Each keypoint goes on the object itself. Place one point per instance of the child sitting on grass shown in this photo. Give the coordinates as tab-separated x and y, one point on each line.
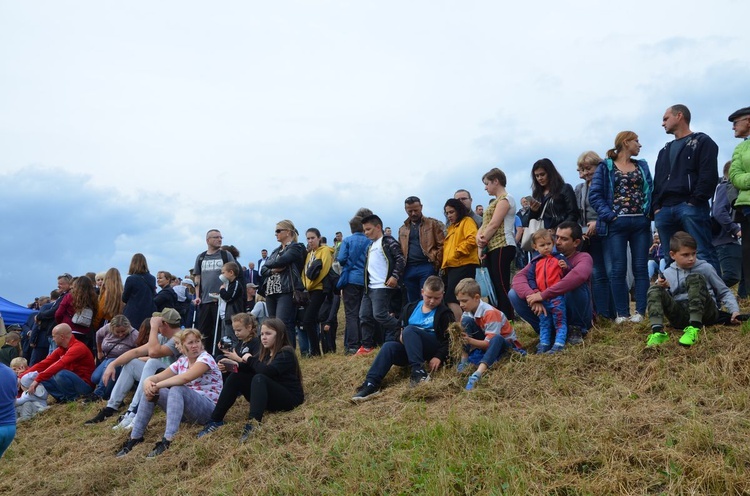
487	331
29	404
19	365
687	294
545	270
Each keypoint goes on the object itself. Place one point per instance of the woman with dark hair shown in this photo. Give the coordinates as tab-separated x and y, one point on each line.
314	277
139	291
621	194
460	254
496	237
166	298
553	200
78	308
282	275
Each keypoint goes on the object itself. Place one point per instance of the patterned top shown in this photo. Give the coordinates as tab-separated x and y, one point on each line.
504	234
209	384
493	322
628	192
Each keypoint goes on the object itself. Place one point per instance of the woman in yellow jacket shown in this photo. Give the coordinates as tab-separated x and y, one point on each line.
460	254
314	277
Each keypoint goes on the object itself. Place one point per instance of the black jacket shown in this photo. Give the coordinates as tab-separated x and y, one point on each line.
557	208
443	318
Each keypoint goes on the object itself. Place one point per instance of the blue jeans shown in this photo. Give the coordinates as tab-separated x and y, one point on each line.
373	311
604	304
636	232
730	259
696	221
101	390
417	344
414	277
7	433
498	344
577	308
66	386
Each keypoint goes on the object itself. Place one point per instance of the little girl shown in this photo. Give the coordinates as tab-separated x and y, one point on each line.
545	270
232	300
29	405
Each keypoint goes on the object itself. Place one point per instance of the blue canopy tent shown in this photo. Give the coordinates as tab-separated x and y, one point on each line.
12	313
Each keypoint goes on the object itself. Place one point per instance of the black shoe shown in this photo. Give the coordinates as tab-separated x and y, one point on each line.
103	415
159	448
366	391
91	398
247	431
574	335
418	377
128	446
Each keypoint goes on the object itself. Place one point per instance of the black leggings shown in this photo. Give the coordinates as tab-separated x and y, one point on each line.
310	321
498	263
264	394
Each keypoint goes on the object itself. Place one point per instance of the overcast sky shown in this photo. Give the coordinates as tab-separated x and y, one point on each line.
136	126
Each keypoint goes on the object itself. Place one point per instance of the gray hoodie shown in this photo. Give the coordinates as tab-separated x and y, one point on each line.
675	276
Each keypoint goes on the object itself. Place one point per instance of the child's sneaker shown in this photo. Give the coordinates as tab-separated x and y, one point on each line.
542	348
366	391
557	348
473	380
462	365
690	336
418	377
657	338
210	427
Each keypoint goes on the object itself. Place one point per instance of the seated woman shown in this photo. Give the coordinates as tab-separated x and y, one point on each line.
112	340
188	389
276	383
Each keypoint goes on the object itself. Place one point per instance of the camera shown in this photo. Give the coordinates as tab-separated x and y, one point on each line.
226	343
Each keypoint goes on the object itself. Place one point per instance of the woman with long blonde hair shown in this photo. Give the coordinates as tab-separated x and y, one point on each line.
110	298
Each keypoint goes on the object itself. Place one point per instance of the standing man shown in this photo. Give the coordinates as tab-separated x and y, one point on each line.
739	175
421	240
262	259
207	283
685	178
465	197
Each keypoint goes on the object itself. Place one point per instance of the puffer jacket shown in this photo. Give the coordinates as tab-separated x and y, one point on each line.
739	173
601	193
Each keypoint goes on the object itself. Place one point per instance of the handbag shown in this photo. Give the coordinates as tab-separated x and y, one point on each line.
300	297
482	276
534	226
84	317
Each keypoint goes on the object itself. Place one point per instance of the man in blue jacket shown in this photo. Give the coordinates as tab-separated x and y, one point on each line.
685	178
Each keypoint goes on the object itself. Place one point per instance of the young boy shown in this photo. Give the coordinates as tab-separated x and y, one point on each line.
424	339
687	293
545	270
383	269
232	297
487	331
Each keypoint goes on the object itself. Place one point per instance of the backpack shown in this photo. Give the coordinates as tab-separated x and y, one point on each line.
225	259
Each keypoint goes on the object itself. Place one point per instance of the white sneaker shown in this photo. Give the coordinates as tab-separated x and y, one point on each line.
126	423
620	320
636	317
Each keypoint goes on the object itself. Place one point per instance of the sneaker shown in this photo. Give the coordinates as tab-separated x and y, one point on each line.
126	422
473	379
351	351
636	318
575	336
690	336
462	365
516	345
91	398
247	431
556	348
657	338
418	377
366	391
209	428
542	348
128	446
103	415
363	350
620	320
159	448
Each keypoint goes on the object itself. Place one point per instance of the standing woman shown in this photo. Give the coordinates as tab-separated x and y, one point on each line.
551	195
460	254
496	239
166	298
621	194
602	291
139	291
282	276
317	265
78	308
188	389
110	298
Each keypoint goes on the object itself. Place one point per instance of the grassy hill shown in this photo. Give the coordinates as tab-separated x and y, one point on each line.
607	417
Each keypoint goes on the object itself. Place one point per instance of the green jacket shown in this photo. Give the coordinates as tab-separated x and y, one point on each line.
739	173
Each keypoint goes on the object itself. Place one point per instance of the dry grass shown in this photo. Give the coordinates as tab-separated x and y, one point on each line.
607	417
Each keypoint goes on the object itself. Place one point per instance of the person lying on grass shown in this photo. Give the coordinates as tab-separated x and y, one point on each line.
424	338
271	381
487	332
687	293
188	389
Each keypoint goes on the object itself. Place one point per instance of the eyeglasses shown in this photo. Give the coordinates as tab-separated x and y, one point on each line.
65	276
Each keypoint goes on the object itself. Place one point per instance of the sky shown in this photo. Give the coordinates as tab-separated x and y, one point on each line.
137	126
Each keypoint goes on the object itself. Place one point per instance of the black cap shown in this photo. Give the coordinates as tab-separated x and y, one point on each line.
739	113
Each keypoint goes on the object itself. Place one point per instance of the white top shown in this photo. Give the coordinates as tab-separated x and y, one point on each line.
377	265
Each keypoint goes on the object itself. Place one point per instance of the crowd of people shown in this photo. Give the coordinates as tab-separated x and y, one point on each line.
226	329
